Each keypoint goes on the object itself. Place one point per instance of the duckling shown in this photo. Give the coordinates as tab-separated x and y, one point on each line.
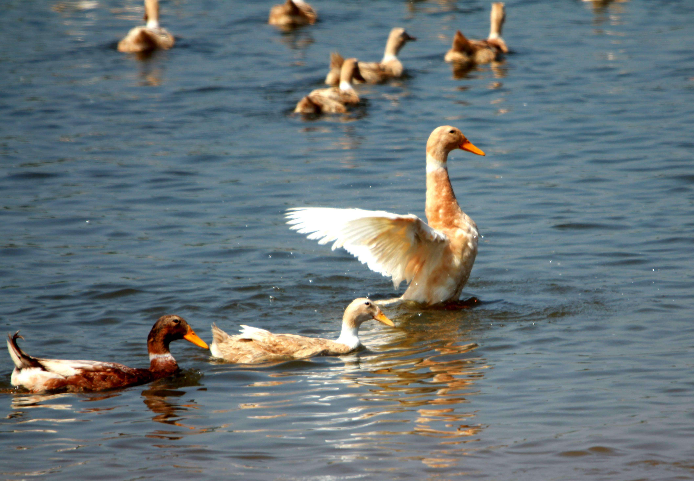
435	258
465	51
333	99
255	345
149	37
377	72
40	375
292	13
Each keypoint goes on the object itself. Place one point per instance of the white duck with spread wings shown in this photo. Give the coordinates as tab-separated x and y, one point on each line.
435	258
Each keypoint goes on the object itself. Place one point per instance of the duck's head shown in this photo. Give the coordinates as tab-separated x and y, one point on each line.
446	138
362	310
397	38
171	328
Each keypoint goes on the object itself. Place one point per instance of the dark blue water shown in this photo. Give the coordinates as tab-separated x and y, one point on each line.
133	188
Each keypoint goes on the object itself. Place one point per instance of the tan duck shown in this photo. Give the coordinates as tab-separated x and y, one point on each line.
436	259
465	51
376	72
255	345
40	375
292	13
333	99
149	37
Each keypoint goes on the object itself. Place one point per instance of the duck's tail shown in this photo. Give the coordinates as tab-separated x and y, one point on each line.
461	43
218	336
307	106
336	60
21	359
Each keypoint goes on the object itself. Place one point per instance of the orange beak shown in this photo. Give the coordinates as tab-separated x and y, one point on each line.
467	145
382	318
192	337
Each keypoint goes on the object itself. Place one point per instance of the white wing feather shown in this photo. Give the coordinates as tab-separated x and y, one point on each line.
390	244
254	333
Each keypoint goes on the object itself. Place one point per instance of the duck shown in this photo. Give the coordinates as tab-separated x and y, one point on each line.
292	13
256	345
58	375
149	37
466	51
376	72
333	99
434	257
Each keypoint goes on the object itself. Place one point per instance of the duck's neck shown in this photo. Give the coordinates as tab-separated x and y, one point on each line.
496	21
349	336
441	205
160	359
349	67
152	13
393	46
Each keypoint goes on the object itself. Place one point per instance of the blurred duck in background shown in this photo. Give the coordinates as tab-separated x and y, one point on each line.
376	72
291	14
468	52
149	37
333	99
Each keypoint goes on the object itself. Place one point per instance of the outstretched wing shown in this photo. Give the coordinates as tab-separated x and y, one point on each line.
393	245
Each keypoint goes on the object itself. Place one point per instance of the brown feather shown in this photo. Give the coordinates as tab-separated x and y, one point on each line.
40	375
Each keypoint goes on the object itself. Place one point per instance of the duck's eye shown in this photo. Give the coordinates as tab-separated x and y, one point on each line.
176	320
452	132
367	303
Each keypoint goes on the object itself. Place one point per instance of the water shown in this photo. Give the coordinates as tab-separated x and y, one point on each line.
131	189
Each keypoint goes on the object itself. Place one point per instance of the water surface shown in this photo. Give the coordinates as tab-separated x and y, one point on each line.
133	188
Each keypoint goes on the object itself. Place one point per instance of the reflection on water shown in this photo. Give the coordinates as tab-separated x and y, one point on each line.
462	71
150	72
297	40
164	398
21	402
417	380
607	11
163	403
71	7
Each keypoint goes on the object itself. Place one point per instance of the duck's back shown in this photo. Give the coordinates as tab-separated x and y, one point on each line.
143	39
57	375
255	345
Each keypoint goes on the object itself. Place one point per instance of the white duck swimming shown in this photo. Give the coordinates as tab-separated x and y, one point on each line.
255	345
148	37
436	259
